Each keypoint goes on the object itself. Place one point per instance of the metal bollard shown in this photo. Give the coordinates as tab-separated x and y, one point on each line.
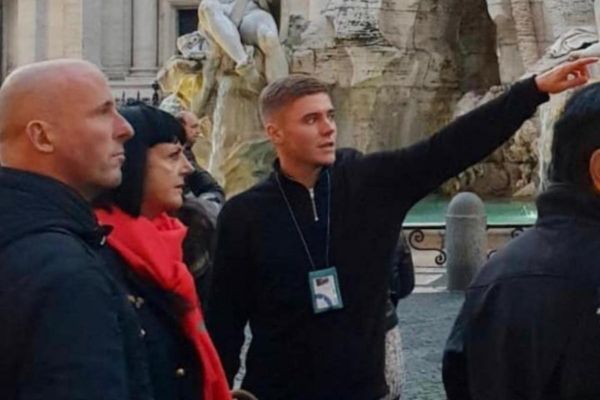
466	239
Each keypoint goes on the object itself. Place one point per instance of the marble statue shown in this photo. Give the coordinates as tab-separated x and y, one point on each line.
181	77
576	42
594	49
219	74
229	26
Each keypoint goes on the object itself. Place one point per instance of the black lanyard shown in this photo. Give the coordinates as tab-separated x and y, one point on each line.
295	220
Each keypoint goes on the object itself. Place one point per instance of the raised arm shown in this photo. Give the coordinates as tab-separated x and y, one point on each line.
415	171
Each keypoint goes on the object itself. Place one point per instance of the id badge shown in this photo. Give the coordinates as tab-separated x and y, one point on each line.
325	290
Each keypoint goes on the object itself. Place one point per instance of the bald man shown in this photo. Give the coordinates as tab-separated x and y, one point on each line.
66	329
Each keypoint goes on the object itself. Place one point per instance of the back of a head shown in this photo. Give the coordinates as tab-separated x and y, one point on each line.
284	91
152	126
576	137
184	115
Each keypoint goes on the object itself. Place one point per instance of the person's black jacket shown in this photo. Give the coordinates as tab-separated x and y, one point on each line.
530	325
67	331
402	279
170	358
200	181
198	245
261	268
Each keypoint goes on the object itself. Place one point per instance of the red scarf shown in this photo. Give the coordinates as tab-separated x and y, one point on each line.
153	249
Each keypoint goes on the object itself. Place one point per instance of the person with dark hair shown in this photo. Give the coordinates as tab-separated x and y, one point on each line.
203	199
304	256
529	326
198	243
144	254
63	334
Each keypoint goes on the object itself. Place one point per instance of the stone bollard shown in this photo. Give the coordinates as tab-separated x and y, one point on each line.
466	239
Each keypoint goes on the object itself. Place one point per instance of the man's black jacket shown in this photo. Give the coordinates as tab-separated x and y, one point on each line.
530	325
261	268
66	329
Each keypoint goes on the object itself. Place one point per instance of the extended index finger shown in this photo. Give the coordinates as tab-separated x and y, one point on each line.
580	63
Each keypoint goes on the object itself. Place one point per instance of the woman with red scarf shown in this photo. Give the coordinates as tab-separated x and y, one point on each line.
174	357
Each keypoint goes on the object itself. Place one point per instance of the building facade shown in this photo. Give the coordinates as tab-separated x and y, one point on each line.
128	39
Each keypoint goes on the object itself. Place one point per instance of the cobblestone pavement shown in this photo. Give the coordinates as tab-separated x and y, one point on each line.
425	321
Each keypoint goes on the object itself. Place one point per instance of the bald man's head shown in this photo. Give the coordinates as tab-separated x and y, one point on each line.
191	124
32	92
58	118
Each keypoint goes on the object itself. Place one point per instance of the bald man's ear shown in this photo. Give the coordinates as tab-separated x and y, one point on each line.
274	133
40	136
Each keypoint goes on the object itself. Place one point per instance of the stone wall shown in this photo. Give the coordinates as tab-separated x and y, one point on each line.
401	69
127	39
397	67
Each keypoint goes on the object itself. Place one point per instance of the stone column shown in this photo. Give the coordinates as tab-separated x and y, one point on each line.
24	44
65	29
145	38
116	38
91	19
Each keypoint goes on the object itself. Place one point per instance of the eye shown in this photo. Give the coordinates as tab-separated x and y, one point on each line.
311	119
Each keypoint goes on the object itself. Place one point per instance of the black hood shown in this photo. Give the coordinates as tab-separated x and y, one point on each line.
31	203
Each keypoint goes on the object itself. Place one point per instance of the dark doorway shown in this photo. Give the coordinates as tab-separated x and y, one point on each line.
187	21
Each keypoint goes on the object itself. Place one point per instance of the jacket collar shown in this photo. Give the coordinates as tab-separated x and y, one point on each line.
35	203
287	181
566	200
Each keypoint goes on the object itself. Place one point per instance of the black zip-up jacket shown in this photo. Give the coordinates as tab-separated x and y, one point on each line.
402	279
530	326
67	330
261	267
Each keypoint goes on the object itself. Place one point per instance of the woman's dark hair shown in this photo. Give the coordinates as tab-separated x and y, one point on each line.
151	126
198	243
576	137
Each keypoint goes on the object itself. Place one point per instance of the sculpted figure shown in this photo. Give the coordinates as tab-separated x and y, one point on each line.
227	27
249	22
182	75
593	50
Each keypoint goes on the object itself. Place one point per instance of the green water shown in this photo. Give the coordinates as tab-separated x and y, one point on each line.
432	211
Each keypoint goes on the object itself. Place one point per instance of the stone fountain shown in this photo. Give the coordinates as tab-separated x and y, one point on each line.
399	70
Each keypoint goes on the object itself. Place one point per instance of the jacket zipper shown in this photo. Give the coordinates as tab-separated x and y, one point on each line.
311	193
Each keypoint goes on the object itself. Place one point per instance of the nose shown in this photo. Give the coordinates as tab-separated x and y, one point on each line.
187	167
328	127
123	130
